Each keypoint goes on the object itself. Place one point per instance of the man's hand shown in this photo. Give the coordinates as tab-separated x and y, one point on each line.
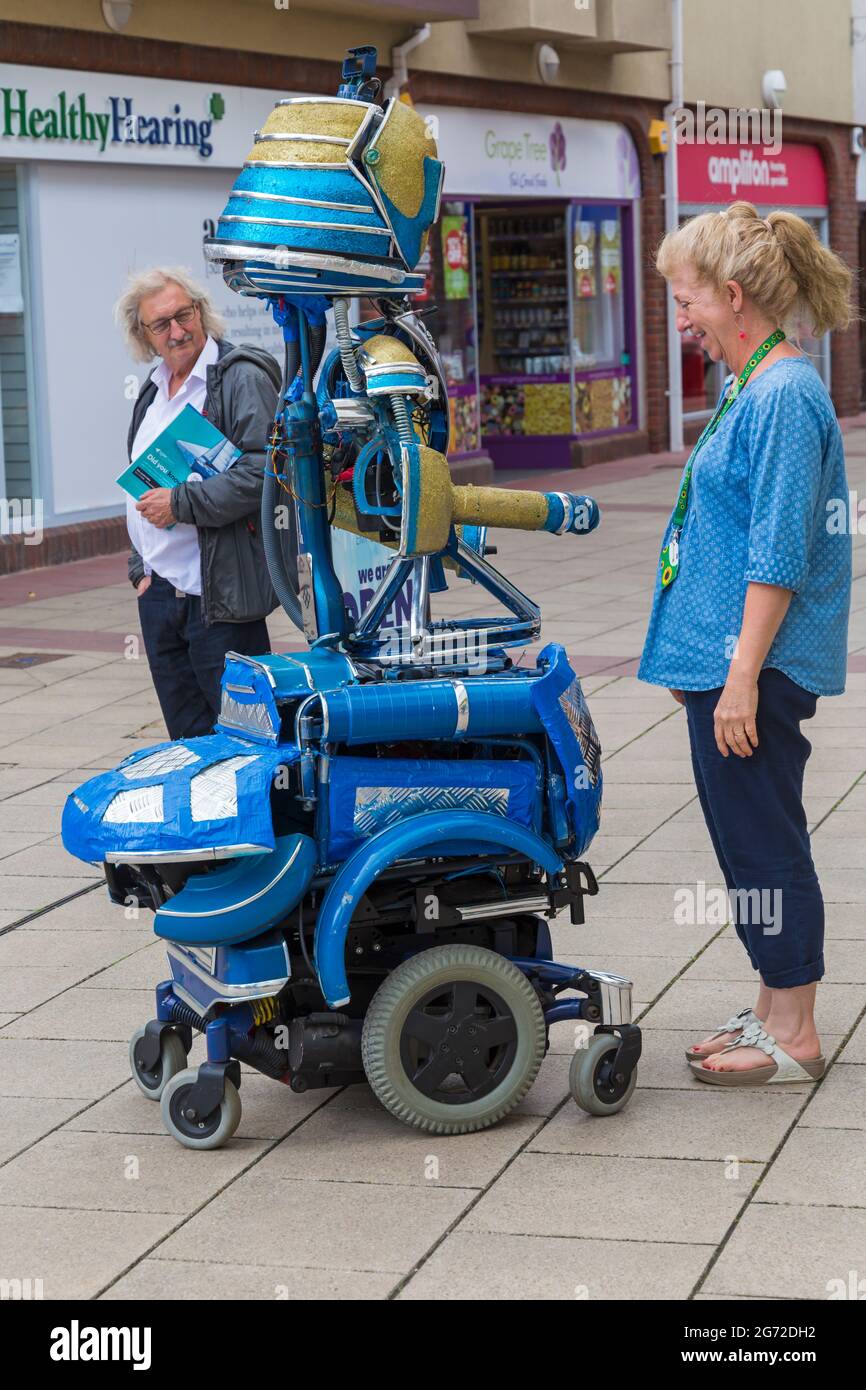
155	507
142	584
679	697
734	717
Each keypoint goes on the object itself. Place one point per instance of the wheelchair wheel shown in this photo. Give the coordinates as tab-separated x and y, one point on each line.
172	1059
592	1082
209	1132
453	1039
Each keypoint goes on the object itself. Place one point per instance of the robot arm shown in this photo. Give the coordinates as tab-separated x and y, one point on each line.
417	483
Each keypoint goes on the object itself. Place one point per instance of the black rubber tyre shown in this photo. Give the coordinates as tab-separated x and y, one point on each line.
453	1039
172	1059
211	1132
592	1086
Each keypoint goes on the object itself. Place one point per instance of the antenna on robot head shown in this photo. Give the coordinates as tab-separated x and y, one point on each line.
360	82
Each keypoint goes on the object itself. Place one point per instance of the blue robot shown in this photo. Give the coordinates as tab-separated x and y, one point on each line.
353	874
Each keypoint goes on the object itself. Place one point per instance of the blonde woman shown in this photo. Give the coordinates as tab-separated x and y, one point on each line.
750	612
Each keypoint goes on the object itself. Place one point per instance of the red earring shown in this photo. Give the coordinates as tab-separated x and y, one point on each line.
742	332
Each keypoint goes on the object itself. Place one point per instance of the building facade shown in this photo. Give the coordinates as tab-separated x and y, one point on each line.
117	148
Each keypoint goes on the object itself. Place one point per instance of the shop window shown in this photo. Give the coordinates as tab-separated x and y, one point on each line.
598	328
553	327
15	456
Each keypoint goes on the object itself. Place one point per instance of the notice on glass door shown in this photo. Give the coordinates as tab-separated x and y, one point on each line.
11	298
455	257
584	259
611	259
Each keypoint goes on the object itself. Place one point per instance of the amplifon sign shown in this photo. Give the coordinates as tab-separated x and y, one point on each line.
792	177
58	114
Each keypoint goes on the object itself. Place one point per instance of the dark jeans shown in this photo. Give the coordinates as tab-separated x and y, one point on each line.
754	813
186	657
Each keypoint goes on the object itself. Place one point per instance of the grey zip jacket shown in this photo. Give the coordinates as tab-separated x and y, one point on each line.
242	392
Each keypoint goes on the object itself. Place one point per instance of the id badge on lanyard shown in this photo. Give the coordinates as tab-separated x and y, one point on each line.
669	560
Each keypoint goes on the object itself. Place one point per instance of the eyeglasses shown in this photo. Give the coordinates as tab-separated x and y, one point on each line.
159	327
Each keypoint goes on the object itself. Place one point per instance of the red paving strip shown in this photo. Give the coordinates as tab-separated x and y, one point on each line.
48	638
53	639
43	639
57	581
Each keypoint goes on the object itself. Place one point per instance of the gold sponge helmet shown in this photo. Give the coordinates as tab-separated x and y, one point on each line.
336	196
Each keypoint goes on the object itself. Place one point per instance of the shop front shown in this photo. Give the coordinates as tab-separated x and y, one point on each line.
533	270
100	175
712	176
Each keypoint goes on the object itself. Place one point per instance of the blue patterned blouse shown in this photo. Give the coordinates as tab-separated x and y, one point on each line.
766	495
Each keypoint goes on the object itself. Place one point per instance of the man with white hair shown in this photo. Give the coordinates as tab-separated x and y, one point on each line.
197	560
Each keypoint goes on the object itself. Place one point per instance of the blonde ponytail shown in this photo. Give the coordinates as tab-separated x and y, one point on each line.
778	260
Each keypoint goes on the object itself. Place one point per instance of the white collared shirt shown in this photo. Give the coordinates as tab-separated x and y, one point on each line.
174	553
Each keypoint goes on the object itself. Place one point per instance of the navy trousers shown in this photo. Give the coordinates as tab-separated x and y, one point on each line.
754	812
186	657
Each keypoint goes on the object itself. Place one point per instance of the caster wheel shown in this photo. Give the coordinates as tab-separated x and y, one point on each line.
593	1086
453	1039
172	1059
208	1132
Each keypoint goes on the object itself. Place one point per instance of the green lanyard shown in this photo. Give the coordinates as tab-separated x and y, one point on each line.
670	556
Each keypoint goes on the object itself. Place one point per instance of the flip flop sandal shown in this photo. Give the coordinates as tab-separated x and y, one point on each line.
781	1067
733	1025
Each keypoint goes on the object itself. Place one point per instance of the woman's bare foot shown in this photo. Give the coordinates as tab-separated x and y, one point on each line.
803	1046
709	1046
762	1009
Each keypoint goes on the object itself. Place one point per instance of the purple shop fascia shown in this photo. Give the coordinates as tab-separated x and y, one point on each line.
540	324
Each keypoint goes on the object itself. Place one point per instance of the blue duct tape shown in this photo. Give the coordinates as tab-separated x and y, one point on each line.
562	708
163	776
366	795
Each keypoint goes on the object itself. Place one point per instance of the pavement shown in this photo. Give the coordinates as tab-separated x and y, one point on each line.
690	1192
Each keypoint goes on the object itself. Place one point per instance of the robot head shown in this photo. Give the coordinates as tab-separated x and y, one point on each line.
336	196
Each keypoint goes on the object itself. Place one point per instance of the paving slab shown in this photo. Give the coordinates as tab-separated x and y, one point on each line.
855	1046
326	1225
704	1004
354	1139
725	959
806	1252
160	1280
76	1253
839	1102
39	1068
649	974
123	1172
90	910
30	894
84	1013
47	861
270	1111
819	1167
518	1268
672	1200
24	1119
695	1122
